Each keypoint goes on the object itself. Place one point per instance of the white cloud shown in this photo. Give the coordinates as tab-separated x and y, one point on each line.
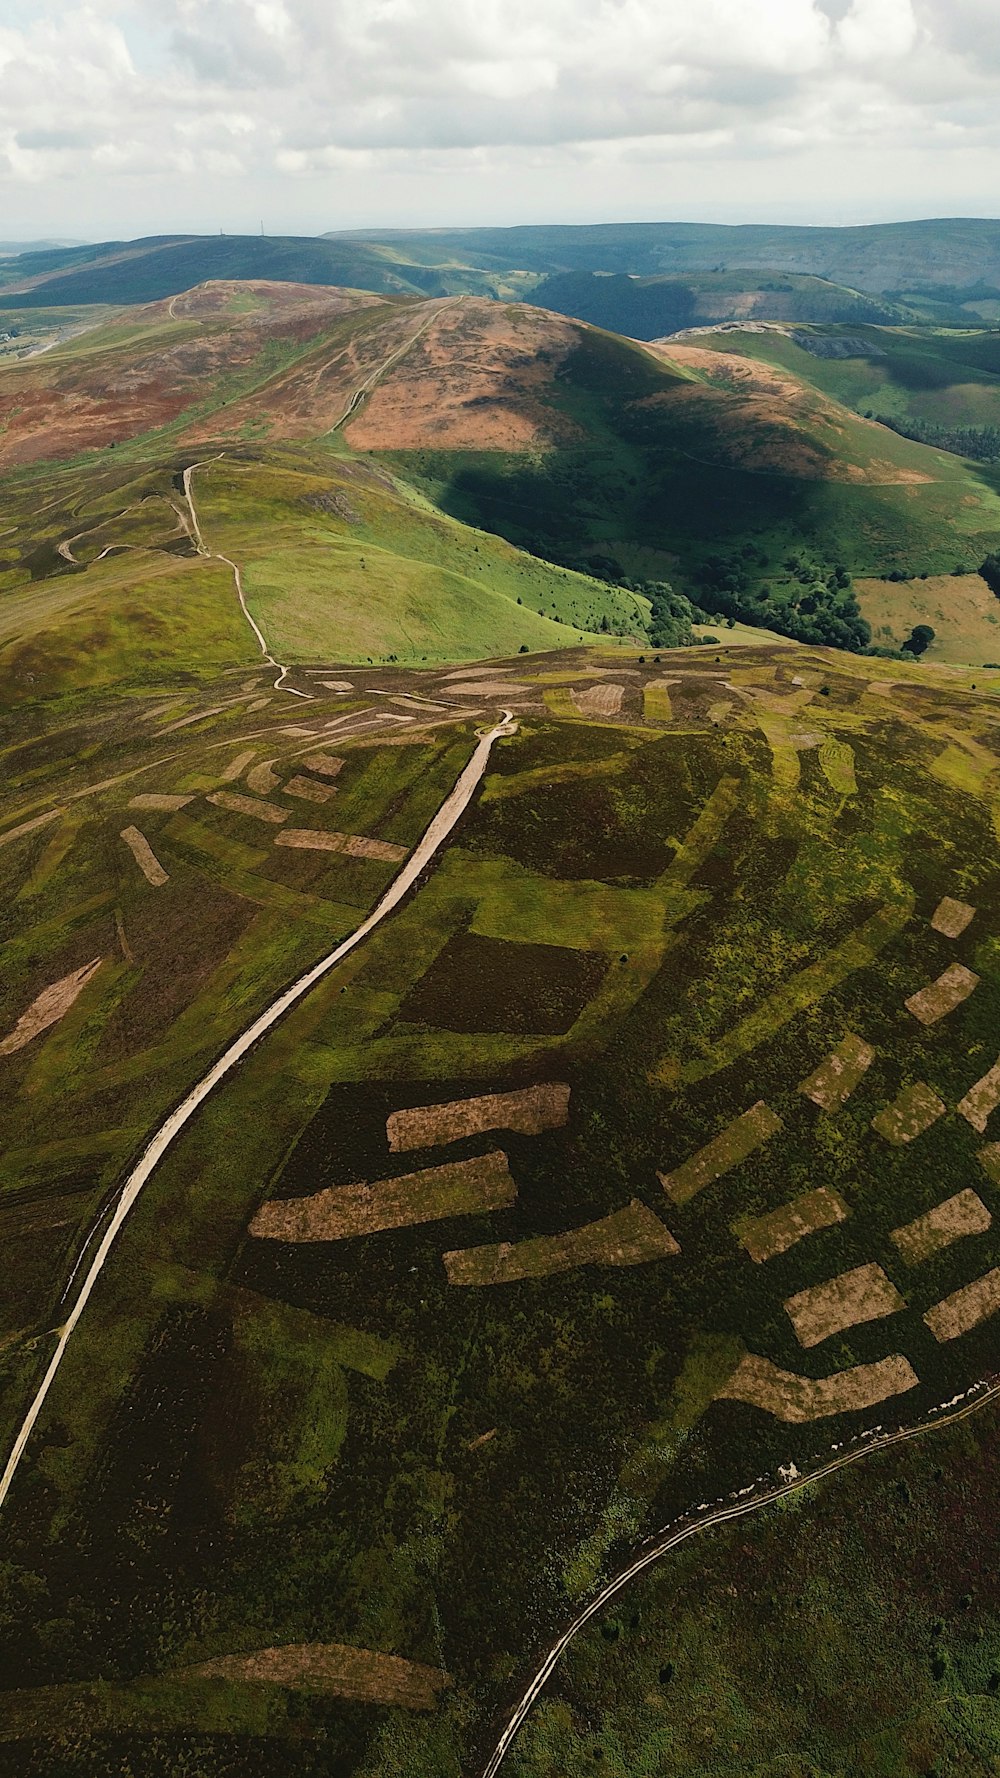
874	29
282	96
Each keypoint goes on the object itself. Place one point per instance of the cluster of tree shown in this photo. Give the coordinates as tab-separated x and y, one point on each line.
820	607
670	618
981	443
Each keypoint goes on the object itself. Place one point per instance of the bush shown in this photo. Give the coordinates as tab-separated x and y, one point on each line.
919	640
990	572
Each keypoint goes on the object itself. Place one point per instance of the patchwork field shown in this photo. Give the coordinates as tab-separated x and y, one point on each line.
645	1150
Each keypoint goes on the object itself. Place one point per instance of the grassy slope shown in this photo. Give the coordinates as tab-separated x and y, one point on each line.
660	480
948	377
960	609
392	578
399	1530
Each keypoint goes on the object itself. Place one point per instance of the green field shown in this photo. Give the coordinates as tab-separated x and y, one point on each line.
948	377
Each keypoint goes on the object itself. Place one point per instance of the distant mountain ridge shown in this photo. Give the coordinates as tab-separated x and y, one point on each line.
644	279
877	257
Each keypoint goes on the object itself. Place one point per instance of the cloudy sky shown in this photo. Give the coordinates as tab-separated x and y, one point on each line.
124	117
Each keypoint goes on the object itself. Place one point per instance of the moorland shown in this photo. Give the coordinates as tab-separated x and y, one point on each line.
638	1162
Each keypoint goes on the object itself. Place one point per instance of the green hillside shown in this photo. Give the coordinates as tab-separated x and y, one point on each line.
674	475
941	382
646	308
338	563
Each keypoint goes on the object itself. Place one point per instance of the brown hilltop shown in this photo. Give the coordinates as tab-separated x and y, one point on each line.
145	368
479	377
278	362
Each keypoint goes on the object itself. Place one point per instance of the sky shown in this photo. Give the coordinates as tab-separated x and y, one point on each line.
128	117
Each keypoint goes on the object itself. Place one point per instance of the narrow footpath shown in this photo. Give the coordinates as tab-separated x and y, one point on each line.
213	555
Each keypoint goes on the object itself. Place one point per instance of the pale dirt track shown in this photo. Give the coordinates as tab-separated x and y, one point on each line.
433	838
374	377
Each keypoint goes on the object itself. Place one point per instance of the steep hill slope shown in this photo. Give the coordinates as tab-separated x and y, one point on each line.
938	386
669	462
751	489
922	376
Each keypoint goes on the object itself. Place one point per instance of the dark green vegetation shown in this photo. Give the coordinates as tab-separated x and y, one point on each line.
853	1633
670	470
255	1444
687	269
648	308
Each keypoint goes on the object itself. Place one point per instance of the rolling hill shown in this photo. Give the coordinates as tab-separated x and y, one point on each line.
677	274
948	253
520	436
671	463
938	386
105	571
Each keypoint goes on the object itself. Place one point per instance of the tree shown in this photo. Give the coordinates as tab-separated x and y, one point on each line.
919	640
990	572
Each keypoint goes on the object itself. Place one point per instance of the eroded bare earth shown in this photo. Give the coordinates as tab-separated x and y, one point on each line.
458	1188
342	1672
837	1077
864	1294
628	1237
796	1399
478	378
965	1308
528	1111
725	1151
52	1004
964	1214
764	1237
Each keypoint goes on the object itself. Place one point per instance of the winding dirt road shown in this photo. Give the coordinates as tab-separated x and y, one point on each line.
669	1540
213	555
433	838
